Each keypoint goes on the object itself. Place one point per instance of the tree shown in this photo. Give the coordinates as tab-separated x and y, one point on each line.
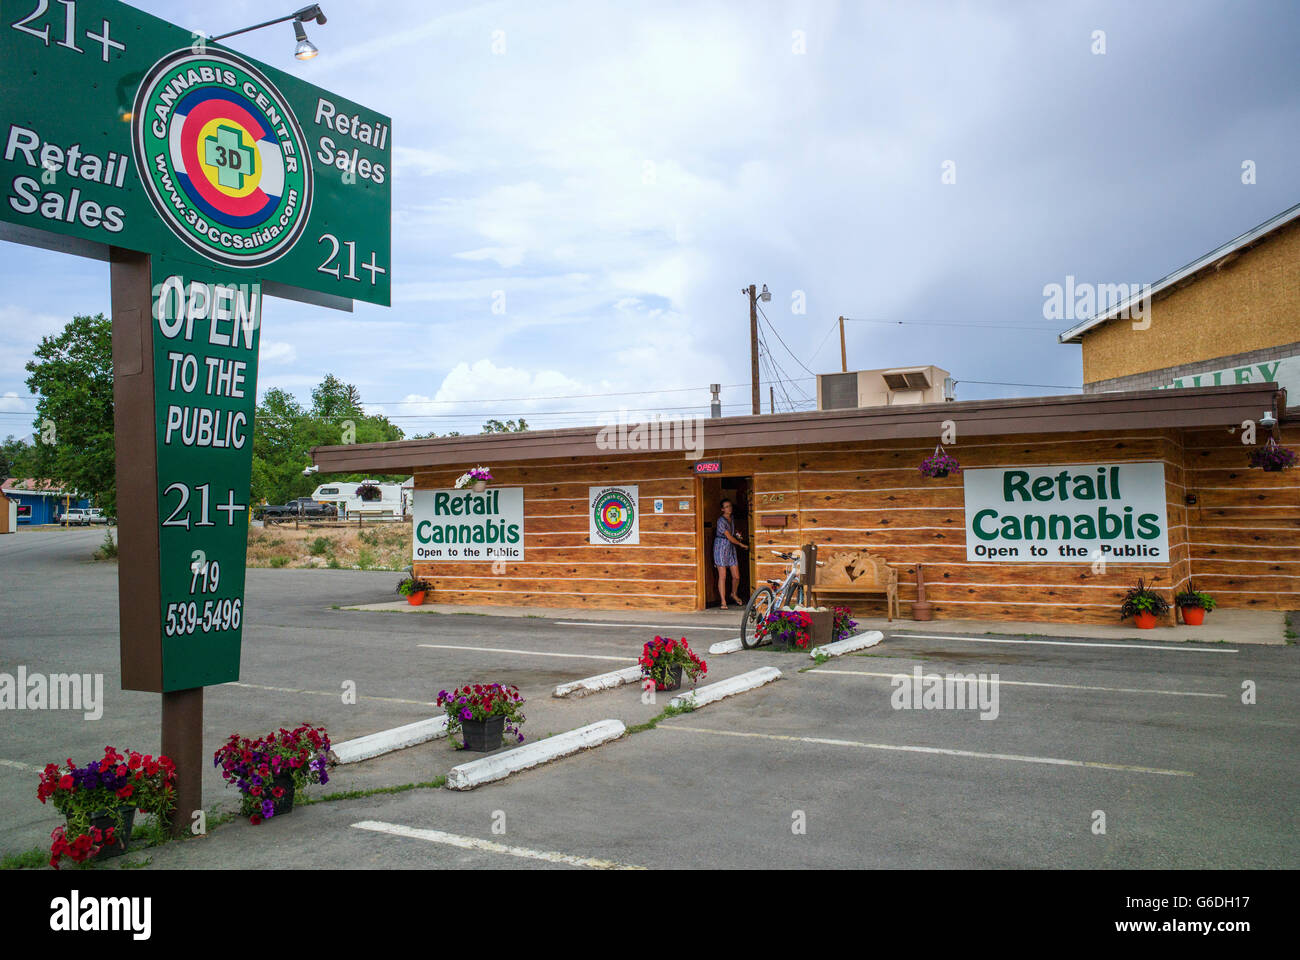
284	434
335	399
509	426
73	374
16	458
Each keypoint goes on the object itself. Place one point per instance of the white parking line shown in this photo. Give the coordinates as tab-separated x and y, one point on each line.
649	626
1030	683
1171	647
528	653
1052	761
18	765
489	846
326	693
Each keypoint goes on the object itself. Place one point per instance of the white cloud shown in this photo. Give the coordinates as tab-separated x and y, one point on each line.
277	352
10	402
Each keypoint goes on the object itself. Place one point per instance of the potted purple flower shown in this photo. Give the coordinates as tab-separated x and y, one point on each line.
939	464
1273	457
478	477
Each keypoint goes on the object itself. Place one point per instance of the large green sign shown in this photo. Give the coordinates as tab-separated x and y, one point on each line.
205	337
120	132
119	129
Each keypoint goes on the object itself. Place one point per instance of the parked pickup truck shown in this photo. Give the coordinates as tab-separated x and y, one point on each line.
304	507
78	516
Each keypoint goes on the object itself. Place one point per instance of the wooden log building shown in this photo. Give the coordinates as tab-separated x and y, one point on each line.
849	479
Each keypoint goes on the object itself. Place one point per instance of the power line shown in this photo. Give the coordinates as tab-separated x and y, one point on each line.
974	324
783	343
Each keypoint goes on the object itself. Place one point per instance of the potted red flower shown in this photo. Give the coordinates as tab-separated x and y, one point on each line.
270	770
99	802
484	713
786	629
663	660
844	623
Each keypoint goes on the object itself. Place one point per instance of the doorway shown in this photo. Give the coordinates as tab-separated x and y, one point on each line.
739	490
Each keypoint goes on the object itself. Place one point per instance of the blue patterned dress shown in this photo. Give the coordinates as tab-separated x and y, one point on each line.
724	551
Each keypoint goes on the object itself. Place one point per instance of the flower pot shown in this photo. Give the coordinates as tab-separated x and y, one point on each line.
417	598
674	679
121	836
483	735
1144	620
283	804
1193	616
1272	468
480	486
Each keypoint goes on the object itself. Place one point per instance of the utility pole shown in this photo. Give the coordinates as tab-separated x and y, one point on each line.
753	348
844	357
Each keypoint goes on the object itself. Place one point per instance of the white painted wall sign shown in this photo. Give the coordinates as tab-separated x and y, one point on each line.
464	525
1067	513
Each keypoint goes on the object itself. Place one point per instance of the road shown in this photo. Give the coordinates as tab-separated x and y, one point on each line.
817	769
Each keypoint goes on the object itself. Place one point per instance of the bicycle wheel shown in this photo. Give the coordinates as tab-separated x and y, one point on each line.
761	602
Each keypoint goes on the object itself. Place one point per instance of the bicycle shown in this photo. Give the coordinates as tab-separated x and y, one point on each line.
776	595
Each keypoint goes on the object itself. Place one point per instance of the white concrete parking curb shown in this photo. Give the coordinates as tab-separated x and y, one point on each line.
859	641
605	681
726	646
385	741
727	688
467	776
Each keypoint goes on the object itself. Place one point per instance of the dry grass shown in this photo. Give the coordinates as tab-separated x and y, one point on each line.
384	546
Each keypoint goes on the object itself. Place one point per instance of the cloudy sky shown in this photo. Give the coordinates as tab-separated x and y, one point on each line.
619	171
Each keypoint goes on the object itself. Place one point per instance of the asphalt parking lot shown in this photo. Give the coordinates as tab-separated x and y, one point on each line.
817	769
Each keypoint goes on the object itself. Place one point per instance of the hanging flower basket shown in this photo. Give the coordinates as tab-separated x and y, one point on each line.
939	464
369	492
476	477
1272	457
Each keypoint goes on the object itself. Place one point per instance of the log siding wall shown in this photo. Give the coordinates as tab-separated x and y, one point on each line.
1241	541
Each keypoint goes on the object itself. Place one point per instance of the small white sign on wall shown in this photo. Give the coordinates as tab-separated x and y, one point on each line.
659	506
614	515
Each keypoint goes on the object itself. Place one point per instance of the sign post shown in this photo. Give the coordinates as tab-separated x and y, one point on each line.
208	181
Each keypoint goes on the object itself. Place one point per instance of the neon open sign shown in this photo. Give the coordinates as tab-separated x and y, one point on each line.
708	466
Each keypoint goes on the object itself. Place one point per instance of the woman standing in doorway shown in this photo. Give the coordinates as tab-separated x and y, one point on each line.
725	543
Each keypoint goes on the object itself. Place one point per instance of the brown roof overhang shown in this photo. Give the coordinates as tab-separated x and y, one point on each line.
1132	410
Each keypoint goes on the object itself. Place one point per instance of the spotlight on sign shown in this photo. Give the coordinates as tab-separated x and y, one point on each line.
305	49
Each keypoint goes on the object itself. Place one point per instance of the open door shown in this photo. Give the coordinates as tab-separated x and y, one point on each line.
713	490
710	492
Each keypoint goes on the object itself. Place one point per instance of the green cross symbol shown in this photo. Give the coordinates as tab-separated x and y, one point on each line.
233	160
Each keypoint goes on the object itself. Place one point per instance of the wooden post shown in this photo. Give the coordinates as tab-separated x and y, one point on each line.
138	576
808	576
844	356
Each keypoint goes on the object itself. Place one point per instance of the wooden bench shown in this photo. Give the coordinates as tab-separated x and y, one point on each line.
857	572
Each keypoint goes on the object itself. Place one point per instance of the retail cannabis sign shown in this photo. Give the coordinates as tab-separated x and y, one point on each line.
120	129
1076	513
464	525
209	181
